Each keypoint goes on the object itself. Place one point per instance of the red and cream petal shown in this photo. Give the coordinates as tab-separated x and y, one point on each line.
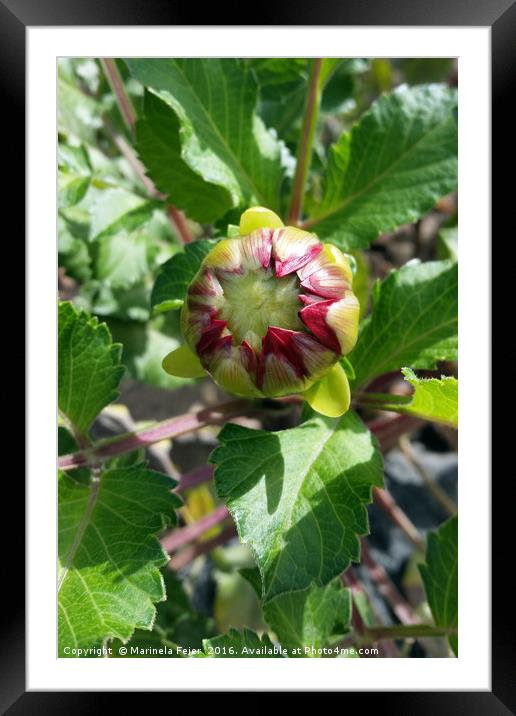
228	365
205	291
328	274
343	318
314	316
256	249
225	255
292	249
280	367
316	358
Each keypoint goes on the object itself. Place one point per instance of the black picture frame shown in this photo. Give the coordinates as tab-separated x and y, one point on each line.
500	16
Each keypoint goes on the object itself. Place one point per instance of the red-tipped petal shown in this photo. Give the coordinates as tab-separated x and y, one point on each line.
314	316
342	318
227	365
256	249
292	249
210	334
329	282
328	274
316	358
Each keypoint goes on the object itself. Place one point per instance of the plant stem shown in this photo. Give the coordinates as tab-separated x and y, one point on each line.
178	538
117	85
187	555
194	478
432	486
385	500
129	115
386	587
172	427
304	153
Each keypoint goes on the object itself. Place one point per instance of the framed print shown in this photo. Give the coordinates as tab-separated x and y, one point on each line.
272	247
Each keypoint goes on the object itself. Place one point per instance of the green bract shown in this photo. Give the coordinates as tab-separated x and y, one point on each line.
269	313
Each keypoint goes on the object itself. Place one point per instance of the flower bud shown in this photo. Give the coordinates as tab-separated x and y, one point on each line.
270	313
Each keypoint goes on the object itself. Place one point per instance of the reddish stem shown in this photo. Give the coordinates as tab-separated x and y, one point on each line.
160	431
194	478
124	101
179	220
384	500
306	142
187	555
386	587
180	537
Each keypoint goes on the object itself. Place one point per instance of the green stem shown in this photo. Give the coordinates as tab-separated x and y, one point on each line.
304	154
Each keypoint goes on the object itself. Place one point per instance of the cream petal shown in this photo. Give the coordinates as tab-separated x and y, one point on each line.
293	248
343	318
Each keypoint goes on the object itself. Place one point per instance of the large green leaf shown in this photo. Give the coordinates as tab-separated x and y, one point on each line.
109	557
434	399
391	167
211	132
413	322
305	620
440	577
177	630
175	274
298	497
89	369
241	644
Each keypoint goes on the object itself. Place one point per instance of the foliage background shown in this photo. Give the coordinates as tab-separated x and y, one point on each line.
122	259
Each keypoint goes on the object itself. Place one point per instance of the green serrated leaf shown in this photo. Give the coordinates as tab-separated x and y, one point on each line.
212	107
123	258
117	209
241	644
440	577
175	274
413	323
159	145
391	168
109	556
435	399
177	624
304	621
89	368
298	496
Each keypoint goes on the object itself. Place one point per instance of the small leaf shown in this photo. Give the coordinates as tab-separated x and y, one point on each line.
304	621
391	167
330	395
413	322
241	644
433	399
109	557
298	496
440	577
89	367
175	274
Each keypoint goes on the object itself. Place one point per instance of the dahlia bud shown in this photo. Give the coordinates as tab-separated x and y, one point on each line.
269	313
